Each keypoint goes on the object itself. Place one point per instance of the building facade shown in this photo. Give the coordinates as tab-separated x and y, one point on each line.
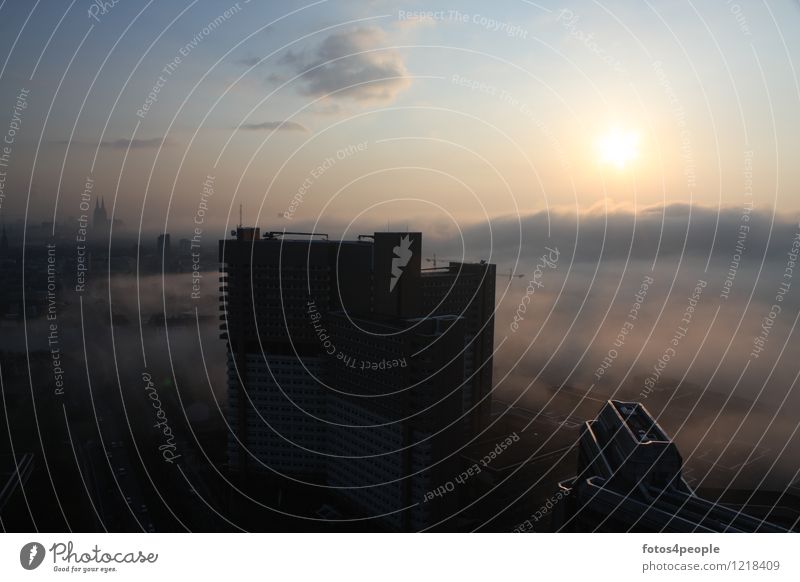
352	367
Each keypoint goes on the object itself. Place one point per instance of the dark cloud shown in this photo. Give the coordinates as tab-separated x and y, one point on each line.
293	58
276	125
649	234
352	64
590	236
121	144
249	61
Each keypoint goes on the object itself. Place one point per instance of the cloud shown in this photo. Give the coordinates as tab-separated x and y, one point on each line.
352	65
274	125
248	61
327	107
120	144
414	23
649	233
135	144
591	235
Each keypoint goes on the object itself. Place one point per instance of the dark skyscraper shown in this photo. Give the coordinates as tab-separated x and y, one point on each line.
351	366
275	358
469	290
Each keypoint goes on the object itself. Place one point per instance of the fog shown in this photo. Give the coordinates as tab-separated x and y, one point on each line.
659	306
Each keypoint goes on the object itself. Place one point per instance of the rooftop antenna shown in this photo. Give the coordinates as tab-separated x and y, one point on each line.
240	216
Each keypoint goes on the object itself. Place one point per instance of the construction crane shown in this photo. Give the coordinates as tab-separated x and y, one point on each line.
511	274
276	233
434	259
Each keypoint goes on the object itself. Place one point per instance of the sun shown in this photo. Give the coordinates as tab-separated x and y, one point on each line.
619	148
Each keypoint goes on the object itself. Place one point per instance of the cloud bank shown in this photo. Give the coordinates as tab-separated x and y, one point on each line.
354	64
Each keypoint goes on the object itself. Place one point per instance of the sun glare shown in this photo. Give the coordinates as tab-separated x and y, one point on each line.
619	148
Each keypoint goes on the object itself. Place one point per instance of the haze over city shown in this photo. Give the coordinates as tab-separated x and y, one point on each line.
399	266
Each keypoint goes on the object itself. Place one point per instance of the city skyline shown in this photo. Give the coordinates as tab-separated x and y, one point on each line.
397	266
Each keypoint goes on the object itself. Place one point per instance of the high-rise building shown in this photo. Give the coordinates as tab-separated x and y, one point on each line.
277	397
630	479
468	289
350	365
395	414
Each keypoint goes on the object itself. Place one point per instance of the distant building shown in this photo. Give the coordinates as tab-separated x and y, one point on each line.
163	247
101	226
630	479
351	366
3	244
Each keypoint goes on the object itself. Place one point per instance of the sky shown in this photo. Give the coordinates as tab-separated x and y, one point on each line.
354	115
